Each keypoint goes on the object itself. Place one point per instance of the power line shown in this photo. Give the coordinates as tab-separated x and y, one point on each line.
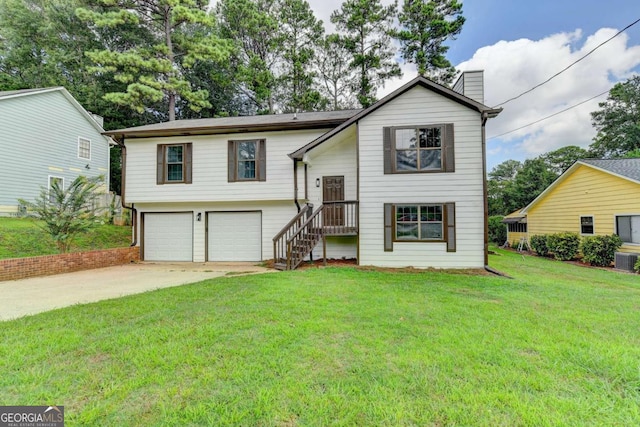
571	65
548	117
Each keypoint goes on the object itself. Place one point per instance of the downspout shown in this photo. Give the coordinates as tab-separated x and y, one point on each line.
485	116
295	184
484	191
123	175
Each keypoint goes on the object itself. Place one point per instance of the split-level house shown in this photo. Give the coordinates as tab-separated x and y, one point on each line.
400	183
51	139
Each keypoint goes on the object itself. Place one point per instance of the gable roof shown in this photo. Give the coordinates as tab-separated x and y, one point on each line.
10	94
418	81
628	169
312	120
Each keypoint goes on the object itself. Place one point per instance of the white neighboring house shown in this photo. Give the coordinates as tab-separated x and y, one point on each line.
50	138
400	183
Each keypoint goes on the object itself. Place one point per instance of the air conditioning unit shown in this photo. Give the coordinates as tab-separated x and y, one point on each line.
626	261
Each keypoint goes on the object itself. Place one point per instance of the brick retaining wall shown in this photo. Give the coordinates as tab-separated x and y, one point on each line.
20	268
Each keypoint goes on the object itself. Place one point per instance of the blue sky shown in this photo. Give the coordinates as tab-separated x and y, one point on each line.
520	44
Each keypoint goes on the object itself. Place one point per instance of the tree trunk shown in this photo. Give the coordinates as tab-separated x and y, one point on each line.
167	34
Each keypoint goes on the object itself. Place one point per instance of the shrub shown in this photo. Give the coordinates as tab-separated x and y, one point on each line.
538	243
637	266
497	230
564	246
600	250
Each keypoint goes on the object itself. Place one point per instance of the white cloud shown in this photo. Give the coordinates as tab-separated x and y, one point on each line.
511	67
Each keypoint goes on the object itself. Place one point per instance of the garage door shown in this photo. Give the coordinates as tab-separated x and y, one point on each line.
168	236
235	236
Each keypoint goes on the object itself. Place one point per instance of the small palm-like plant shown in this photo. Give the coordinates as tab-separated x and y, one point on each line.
65	213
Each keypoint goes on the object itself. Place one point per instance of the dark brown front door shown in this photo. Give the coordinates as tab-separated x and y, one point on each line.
333	191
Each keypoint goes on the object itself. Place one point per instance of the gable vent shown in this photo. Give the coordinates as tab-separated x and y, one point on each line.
626	261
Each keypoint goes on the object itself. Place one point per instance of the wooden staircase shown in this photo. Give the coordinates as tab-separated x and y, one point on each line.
298	238
303	233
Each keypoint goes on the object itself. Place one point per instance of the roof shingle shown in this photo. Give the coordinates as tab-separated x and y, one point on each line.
628	168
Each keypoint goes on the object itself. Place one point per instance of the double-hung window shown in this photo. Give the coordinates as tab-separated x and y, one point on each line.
56	184
84	148
247	160
586	225
418	149
420	222
174	164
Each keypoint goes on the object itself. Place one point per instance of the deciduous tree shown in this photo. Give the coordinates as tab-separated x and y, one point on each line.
618	121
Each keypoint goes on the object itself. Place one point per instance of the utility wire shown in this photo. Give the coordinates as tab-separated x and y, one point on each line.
571	65
548	117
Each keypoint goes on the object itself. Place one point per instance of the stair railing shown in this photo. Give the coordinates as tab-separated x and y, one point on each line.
302	242
280	240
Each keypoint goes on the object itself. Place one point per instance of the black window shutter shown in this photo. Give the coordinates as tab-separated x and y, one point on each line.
388	152
449	152
160	165
388	227
262	160
188	163
450	209
232	162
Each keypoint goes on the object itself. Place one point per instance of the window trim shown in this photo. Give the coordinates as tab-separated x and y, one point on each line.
162	164
260	160
593	225
80	140
448	225
49	185
447	152
617	231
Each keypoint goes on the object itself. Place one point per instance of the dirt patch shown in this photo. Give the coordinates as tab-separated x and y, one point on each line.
353	263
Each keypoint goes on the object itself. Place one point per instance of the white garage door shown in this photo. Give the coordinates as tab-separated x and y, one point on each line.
168	236
235	236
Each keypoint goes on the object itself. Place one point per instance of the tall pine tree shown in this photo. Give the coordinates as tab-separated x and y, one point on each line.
364	26
425	26
177	34
300	36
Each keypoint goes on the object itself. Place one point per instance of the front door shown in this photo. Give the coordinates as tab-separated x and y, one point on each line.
333	191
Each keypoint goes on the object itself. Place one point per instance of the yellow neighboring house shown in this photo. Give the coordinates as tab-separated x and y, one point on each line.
516	228
592	197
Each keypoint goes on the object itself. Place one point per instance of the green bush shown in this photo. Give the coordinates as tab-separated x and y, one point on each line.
563	246
600	250
497	230
637	266
538	243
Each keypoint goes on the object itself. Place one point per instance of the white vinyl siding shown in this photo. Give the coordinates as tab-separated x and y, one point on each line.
464	187
42	131
471	85
210	164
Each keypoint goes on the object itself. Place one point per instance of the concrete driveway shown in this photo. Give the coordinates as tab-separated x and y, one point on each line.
30	296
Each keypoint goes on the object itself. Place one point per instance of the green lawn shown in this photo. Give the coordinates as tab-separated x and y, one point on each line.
557	345
21	237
